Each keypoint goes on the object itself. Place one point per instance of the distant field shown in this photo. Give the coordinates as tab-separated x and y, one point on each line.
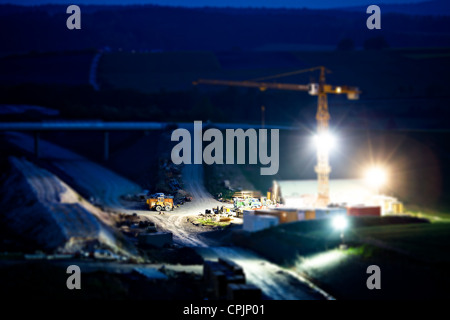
310	237
71	68
400	87
427	242
416	237
151	72
394	73
413	256
389	73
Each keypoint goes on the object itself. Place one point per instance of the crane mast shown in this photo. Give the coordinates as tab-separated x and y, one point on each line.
322	168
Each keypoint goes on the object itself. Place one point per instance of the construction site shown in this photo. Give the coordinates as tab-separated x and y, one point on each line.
247	169
290	201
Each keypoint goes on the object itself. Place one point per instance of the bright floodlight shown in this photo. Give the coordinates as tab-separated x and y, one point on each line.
376	177
324	141
340	223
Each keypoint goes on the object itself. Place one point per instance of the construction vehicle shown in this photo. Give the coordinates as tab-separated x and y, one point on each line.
247	203
266	201
160	204
320	89
238	202
254	203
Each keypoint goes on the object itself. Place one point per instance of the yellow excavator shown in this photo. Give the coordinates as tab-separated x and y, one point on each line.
160	204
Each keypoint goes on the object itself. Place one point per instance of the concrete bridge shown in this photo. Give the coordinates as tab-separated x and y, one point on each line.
37	127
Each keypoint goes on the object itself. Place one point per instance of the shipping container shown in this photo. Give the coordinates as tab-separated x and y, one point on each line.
265	212
361	211
310	215
284	216
295	214
300	215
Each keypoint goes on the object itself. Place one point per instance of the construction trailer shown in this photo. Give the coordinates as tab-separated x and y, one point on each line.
260	219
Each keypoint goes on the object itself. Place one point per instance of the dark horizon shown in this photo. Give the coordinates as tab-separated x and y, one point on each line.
289	4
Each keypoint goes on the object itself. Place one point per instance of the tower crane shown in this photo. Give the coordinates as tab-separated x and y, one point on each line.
321	90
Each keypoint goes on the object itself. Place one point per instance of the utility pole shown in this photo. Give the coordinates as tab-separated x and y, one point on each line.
322	168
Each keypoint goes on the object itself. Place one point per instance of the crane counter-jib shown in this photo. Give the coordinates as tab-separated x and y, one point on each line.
254	84
312	88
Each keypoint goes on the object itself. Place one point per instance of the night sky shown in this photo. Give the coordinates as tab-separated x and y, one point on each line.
221	3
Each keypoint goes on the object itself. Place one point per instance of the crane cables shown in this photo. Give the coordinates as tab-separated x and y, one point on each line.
287	74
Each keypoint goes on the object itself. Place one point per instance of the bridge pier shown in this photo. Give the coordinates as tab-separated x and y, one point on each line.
36	144
105	145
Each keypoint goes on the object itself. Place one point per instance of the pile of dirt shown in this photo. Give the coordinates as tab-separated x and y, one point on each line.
47	214
95	182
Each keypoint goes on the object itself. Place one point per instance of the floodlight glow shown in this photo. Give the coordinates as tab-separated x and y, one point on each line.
376	177
325	141
324	259
340	223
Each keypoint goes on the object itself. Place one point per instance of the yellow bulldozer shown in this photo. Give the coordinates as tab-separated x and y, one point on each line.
160	204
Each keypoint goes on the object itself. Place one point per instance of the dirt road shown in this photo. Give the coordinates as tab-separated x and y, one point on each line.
175	221
276	283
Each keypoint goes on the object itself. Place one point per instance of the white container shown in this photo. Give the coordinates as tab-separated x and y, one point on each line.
330	212
249	218
264	222
254	222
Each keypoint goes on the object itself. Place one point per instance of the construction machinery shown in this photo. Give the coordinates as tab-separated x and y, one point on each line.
320	89
266	201
160	204
251	203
